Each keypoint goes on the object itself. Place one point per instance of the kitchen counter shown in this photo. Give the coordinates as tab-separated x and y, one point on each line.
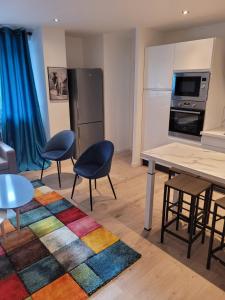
214	139
217	133
196	160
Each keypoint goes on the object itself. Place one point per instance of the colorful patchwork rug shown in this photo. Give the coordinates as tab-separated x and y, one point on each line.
60	253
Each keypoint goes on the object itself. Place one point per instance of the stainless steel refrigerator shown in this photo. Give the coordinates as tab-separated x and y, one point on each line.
86	106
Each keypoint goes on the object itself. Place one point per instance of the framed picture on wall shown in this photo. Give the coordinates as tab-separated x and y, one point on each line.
58	84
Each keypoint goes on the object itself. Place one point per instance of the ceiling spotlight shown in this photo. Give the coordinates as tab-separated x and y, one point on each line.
185	12
56	20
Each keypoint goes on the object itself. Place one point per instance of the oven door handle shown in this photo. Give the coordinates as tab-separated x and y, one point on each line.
186	111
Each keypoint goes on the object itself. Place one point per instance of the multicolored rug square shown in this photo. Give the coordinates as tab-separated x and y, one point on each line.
60	252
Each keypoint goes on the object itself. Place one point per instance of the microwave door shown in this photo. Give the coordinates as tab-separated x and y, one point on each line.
190	86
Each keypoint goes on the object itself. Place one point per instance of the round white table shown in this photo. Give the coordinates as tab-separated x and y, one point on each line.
15	192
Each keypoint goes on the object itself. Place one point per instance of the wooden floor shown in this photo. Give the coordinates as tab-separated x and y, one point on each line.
163	272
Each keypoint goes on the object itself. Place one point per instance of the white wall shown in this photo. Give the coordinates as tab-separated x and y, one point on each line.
37	59
93	51
54	50
74	52
118	88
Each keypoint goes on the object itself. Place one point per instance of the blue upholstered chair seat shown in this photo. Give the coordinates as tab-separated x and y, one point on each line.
87	170
53	155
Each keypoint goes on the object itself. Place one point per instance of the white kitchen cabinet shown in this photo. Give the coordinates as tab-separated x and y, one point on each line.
193	55
156	110
159	67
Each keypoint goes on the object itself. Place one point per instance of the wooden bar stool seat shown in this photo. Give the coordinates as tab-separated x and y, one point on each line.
185	184
188	184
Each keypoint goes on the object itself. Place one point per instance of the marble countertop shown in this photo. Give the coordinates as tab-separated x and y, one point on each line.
217	133
196	160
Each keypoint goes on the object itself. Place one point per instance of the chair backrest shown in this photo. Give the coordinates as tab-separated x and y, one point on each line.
62	141
100	153
103	152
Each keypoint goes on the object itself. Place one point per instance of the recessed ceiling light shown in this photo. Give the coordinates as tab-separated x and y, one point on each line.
185	12
56	20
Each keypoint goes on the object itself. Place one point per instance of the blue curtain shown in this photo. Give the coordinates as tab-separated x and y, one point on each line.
22	126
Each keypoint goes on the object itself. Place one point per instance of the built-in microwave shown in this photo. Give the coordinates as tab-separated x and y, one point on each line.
190	86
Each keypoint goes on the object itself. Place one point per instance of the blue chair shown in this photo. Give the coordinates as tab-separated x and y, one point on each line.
95	163
60	147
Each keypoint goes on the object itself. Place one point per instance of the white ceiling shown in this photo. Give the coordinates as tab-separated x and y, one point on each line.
110	15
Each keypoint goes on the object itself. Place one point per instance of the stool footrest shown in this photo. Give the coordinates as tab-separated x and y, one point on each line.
219	248
219	259
181	237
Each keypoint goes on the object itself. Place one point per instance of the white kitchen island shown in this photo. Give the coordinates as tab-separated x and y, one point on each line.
197	161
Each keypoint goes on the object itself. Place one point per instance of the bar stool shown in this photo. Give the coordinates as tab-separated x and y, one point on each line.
174	172
220	203
197	215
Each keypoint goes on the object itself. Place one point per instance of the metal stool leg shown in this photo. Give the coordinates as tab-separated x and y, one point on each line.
211	238
196	215
179	209
95	184
191	220
207	204
165	206
223	236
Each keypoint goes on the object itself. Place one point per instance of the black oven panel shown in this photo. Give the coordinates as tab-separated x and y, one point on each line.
186	121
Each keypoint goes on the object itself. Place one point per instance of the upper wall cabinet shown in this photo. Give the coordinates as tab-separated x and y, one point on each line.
193	55
159	67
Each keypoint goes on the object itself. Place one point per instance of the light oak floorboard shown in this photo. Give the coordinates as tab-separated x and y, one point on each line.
163	272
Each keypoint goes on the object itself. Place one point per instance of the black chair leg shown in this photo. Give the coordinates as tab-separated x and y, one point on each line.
42	170
72	161
111	186
95	184
58	169
74	184
90	194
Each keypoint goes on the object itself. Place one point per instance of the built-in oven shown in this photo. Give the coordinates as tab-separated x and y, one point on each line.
186	119
190	86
